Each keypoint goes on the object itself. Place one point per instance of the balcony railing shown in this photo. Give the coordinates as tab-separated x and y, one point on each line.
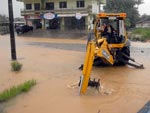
57	11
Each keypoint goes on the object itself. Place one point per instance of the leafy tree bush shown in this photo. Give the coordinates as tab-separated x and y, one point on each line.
16	66
128	6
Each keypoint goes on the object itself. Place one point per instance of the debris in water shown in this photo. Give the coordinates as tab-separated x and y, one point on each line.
73	85
99	111
106	91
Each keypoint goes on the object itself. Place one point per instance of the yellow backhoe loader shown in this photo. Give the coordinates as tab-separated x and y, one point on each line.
110	46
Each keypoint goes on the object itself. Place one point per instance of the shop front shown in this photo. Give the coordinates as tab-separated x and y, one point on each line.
51	21
34	20
57	21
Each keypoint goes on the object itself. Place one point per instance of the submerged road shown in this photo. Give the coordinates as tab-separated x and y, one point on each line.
54	64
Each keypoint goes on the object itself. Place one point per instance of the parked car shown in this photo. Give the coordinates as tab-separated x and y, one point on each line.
38	26
23	29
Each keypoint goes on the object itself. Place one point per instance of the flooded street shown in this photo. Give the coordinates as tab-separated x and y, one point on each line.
54	63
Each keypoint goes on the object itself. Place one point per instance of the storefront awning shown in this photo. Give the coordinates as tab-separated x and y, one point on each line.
70	15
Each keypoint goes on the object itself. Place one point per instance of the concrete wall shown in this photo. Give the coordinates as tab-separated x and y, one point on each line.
95	6
71	4
143	25
4	29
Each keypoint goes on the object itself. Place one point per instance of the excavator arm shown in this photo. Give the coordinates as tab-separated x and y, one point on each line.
88	63
91	52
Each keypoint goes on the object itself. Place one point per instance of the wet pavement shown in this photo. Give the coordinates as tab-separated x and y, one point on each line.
63	46
73	34
54	63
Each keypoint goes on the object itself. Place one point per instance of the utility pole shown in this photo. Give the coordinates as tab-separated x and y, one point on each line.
99	4
11	29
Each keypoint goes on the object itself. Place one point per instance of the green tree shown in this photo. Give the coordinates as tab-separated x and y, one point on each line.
138	2
127	6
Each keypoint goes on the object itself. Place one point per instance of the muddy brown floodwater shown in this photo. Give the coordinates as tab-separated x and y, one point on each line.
54	64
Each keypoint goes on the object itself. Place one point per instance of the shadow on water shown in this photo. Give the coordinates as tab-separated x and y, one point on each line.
64	46
70	34
2	106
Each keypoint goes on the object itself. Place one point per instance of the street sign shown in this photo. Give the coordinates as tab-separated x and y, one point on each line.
78	16
49	16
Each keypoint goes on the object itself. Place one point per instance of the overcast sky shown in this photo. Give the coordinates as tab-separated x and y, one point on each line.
143	9
16	6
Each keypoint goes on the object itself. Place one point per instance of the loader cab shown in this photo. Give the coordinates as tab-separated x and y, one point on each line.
111	27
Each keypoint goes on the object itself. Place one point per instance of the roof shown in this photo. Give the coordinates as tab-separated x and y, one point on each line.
143	21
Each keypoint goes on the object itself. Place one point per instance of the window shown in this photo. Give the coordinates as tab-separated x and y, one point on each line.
37	6
62	4
80	3
29	6
50	6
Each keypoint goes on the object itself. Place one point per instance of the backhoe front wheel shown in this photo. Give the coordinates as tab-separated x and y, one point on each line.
122	60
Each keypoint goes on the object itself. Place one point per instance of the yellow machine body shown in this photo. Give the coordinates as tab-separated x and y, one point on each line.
99	47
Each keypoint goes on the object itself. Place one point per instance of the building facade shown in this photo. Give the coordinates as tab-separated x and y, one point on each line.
143	24
60	14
